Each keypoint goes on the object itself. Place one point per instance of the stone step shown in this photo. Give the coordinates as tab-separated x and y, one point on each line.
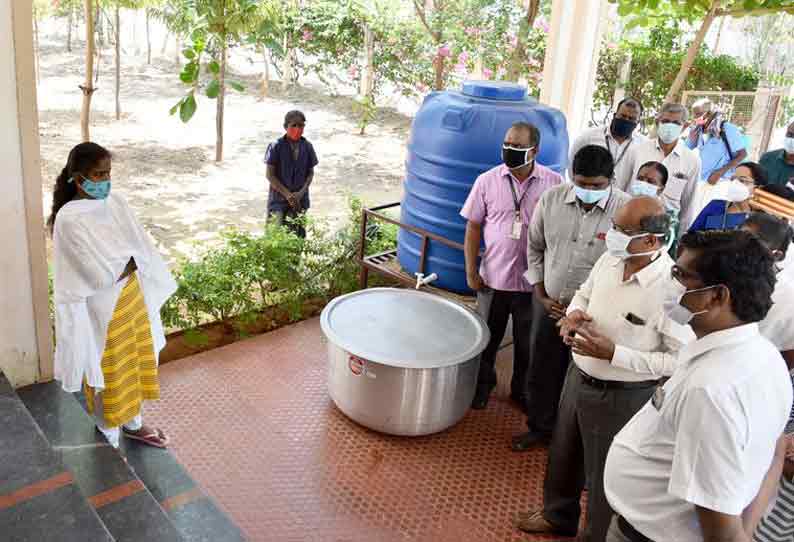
149	497
39	496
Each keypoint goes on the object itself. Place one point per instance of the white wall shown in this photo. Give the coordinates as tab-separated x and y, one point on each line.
20	333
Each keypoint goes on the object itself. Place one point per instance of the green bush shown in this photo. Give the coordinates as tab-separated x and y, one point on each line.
250	272
655	62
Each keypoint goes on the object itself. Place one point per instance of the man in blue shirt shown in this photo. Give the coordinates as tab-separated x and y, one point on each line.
719	142
290	170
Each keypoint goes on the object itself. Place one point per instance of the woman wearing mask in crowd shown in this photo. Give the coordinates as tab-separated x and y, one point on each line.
110	283
651	181
731	206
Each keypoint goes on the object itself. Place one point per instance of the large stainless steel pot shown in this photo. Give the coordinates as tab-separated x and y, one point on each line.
402	362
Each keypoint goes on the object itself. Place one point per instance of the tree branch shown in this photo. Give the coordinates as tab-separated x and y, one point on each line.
738	12
420	12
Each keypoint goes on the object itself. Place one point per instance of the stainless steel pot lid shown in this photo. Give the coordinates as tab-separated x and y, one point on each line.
404	328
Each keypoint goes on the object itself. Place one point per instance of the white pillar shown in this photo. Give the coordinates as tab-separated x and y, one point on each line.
571	60
25	333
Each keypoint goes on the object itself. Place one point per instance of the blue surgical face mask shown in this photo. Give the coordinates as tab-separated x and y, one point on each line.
642	188
668	132
96	189
588	196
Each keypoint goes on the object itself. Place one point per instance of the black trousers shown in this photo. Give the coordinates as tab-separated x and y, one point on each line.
589	418
549	359
286	218
497	306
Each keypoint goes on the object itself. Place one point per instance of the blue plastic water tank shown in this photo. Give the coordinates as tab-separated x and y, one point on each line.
455	137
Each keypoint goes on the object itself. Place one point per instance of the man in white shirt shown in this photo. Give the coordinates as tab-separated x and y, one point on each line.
778	522
620	139
682	163
622	345
690	462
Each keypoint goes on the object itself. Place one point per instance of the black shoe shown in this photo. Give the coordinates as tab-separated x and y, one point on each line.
480	400
520	403
529	440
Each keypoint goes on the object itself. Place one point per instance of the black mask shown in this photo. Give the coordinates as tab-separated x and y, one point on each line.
622	127
515	158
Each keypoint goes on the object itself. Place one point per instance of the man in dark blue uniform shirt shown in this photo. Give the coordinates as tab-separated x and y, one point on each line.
290	170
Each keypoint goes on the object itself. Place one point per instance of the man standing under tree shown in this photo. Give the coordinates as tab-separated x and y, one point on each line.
290	170
719	142
620	139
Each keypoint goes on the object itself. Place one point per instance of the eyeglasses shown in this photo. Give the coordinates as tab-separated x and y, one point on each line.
749	181
625	231
680	274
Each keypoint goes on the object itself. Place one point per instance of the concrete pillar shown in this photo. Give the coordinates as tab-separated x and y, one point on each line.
572	51
25	332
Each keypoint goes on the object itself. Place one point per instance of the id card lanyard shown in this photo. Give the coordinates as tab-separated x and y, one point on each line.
622	154
515	230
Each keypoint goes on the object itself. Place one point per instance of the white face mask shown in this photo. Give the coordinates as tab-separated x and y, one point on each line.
642	188
668	132
673	295
735	191
618	244
788	145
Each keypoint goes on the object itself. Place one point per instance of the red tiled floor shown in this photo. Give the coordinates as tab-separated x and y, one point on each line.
253	423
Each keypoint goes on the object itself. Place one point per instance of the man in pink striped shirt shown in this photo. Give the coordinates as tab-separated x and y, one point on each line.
498	211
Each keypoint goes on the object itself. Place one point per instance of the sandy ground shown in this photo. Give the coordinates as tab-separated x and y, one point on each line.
166	169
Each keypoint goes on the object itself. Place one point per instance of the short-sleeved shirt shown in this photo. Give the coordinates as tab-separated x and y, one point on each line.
713	152
778	325
777	170
679	193
622	153
706	439
491	204
566	241
646	349
291	172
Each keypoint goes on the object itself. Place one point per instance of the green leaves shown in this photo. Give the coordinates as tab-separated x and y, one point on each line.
236	86
187	108
213	89
248	272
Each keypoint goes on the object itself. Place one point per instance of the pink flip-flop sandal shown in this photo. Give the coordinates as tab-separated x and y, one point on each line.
154	438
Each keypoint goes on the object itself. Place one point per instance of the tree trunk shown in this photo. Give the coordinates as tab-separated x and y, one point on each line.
624	74
286	68
519	55
368	77
691	54
178	54
98	26
118	63
265	72
221	98
69	22
165	43
148	39
719	35
36	58
87	86
439	78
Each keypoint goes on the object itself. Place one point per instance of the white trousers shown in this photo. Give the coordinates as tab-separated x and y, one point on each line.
113	434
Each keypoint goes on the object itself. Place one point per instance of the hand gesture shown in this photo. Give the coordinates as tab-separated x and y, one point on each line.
571	323
589	342
475	282
553	307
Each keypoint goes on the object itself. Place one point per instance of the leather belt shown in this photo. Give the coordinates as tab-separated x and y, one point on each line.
616	384
630	532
